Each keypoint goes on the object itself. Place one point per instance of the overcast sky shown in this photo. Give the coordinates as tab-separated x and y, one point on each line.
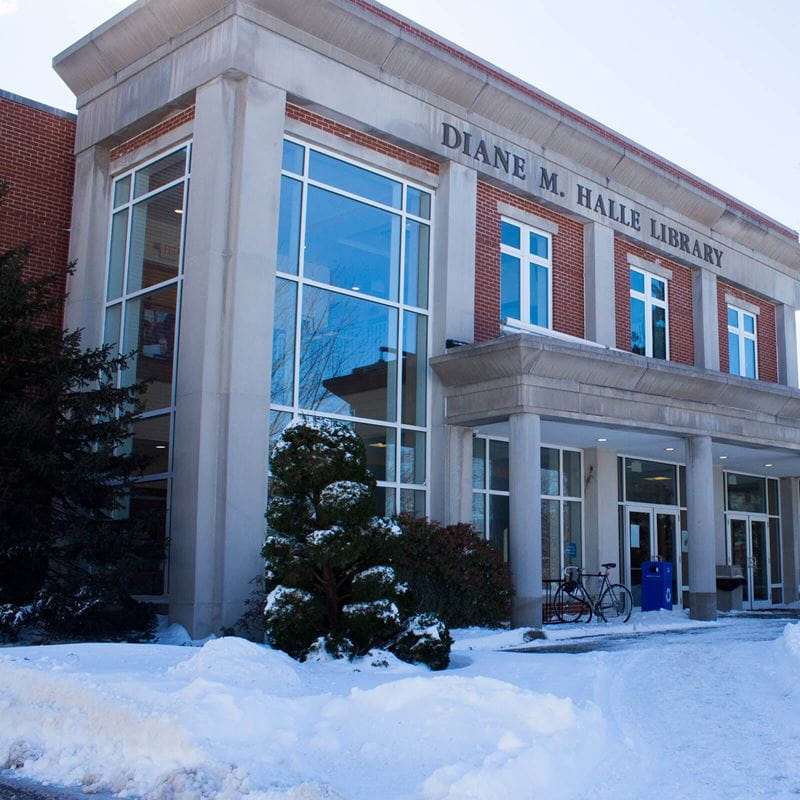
709	84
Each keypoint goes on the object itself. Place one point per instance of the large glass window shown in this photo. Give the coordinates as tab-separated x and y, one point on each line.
350	336
650	482
525	274
143	297
649	315
490	491
742	343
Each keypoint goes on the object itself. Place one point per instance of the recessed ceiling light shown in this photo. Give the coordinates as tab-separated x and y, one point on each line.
769	465
179	211
670	449
355	288
602	439
722	458
161	447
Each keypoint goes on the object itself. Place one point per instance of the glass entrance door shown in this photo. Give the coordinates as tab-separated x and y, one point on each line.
651	534
748	548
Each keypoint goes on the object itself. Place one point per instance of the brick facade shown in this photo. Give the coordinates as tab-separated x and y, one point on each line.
36	158
568	277
679	301
765	332
151	134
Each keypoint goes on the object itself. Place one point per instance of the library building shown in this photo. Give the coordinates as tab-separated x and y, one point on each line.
535	324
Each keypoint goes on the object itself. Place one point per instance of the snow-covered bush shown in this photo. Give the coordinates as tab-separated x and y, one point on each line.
329	573
453	573
425	639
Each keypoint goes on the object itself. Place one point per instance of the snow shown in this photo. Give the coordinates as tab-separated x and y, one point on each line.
662	707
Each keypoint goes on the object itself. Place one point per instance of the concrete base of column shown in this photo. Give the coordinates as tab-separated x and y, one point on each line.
703	605
526	612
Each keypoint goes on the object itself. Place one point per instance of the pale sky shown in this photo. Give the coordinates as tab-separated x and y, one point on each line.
711	85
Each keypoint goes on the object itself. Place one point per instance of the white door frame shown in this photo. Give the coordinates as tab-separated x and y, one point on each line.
749	567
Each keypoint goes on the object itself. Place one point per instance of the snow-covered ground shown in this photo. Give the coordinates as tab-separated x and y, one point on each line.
658	708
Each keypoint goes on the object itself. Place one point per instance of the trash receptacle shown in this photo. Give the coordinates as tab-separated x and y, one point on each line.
656	585
730	584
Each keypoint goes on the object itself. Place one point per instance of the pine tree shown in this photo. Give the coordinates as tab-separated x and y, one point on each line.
66	562
329	573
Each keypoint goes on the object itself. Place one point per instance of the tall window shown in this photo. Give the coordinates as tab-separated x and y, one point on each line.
742	343
143	290
350	337
490	491
649	316
525	274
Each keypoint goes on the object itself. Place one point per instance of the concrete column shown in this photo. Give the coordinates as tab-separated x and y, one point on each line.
600	294
525	505
601	514
88	245
458	474
790	539
452	312
221	424
786	333
705	319
700	512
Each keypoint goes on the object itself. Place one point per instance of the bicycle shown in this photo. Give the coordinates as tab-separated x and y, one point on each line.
573	601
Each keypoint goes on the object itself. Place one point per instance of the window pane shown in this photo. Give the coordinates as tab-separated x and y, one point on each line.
550	471
749	358
498	524
155	240
638	341
509	287
478	463
572	533
418	203
412	501
416	264
150	330
733	354
151	440
122	191
540	300
379	444
116	258
293	157
352	245
148	503
772	497
657	288
111	329
572	473
353	179
539	245
650	482
733	317
659	332
348	356
510	235
289	225
498	465
637	281
775	550
749	323
159	173
385	501
551	540
746	493
415	368
479	513
283	335
278	420
412	457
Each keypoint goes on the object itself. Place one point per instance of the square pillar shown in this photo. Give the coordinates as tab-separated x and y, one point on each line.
223	386
458	475
700	513
601	514
705	319
786	333
790	539
525	523
600	294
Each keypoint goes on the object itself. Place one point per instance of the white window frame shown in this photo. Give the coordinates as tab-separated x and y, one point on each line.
743	334
526	258
651	302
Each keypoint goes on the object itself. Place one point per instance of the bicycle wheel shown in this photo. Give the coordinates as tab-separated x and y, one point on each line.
615	603
571	606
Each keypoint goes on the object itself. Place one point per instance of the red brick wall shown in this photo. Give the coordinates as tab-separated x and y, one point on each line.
568	278
365	140
679	292
765	332
36	158
151	134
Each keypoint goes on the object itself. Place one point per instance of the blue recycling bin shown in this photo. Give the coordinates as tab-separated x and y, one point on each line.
656	585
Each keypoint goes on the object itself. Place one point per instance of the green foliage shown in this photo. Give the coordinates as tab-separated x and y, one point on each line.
425	639
454	573
329	574
64	470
